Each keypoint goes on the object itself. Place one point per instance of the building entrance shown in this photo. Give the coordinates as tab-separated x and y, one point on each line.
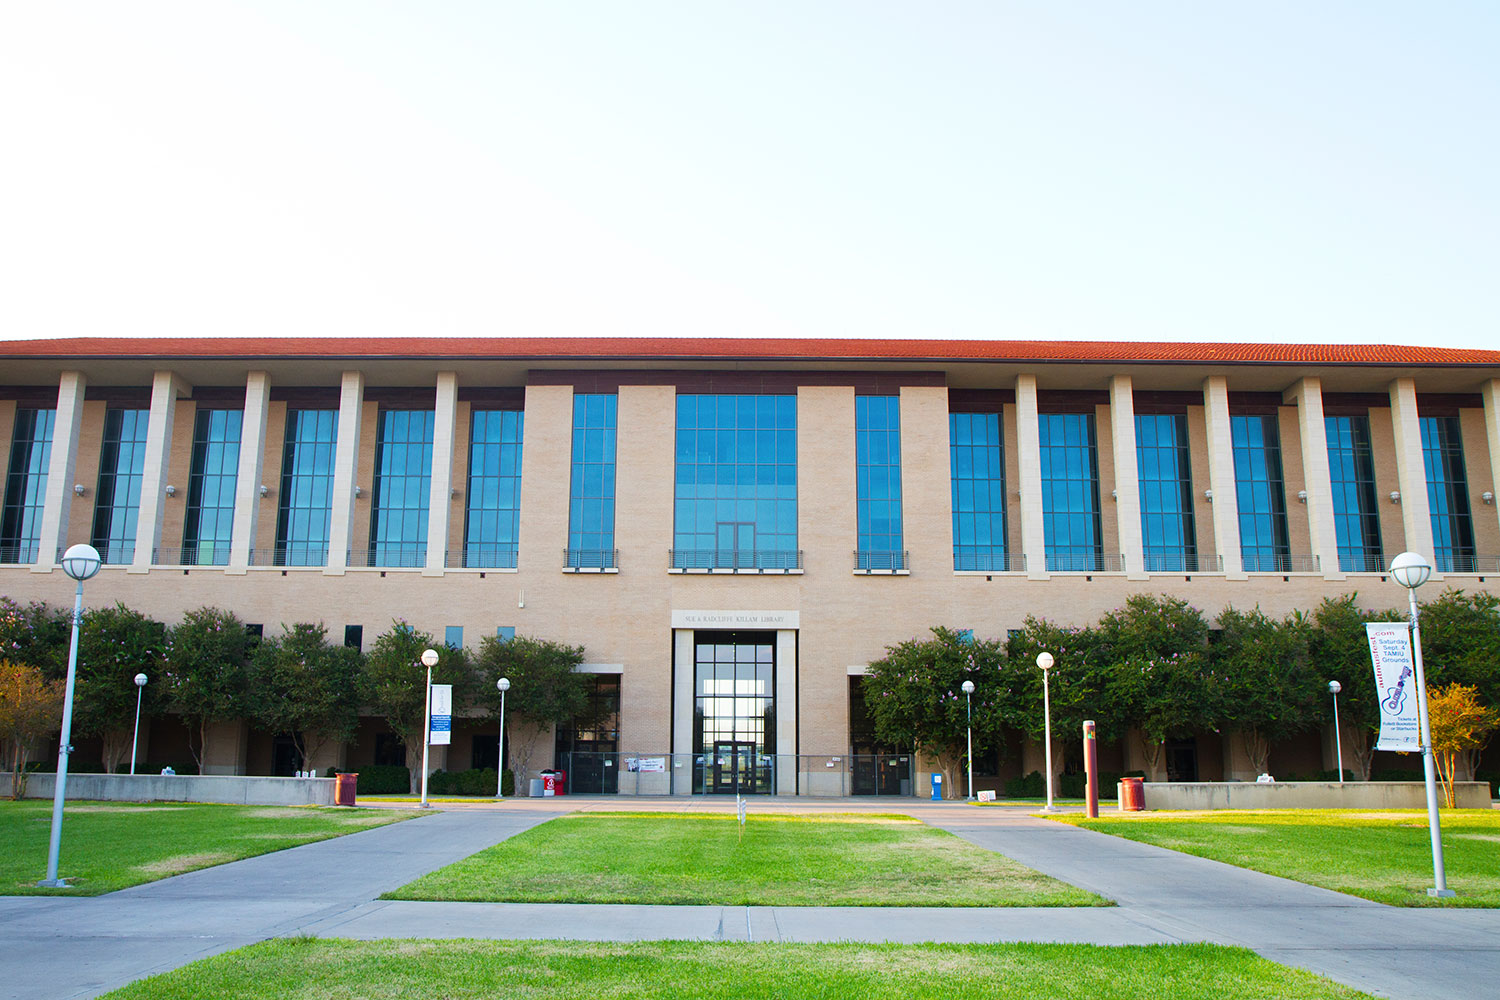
737	769
734	717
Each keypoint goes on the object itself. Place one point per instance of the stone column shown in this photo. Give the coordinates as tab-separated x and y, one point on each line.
1127	476
165	388
1492	432
59	500
1029	461
1221	476
440	506
345	464
247	498
787	763
1411	471
1307	394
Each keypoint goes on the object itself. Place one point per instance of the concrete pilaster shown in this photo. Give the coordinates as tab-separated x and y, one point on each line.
346	457
1029	459
1492	433
1411	471
1307	394
682	712
165	388
1221	476
59	502
1127	476
247	498
440	506
786	711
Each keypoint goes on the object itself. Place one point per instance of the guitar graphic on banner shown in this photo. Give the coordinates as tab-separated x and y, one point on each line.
1396	695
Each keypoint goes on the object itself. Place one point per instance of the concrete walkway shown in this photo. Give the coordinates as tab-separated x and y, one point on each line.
64	948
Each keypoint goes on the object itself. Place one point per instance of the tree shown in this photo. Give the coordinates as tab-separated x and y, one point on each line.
114	645
1077	687
30	708
1340	651
304	686
545	688
1460	724
205	672
36	634
1262	683
915	696
1461	641
397	684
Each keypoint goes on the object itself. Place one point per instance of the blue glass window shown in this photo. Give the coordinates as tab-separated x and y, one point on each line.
306	507
403	488
976	456
122	466
26	485
877	479
1448	495
591	510
1168	539
505	633
492	535
736	482
1261	491
1070	491
211	481
453	636
1351	472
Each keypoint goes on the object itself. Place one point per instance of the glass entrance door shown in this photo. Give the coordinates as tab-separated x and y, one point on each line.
734	735
734	770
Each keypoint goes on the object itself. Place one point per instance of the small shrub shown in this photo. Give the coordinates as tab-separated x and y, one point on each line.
1029	787
383	779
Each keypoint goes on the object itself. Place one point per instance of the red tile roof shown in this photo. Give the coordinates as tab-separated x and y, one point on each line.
720	349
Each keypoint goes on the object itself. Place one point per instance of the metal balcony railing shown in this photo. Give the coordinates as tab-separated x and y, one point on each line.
202	554
390	555
22	553
483	556
987	559
1361	562
1280	562
881	562
1083	559
580	559
292	555
1159	561
736	560
1464	562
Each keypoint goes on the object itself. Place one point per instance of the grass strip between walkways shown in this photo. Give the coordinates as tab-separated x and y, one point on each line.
112	845
806	859
1384	855
314	969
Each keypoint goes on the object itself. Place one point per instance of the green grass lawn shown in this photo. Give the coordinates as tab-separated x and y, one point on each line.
783	860
111	845
1385	856
311	969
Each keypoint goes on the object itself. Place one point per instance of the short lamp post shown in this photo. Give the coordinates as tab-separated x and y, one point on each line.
502	685
135	739
1045	661
80	562
1411	571
1334	687
968	690
429	660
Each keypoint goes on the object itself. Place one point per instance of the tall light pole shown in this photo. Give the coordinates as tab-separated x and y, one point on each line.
80	562
1411	571
502	685
429	660
1334	687
968	690
140	685
1044	660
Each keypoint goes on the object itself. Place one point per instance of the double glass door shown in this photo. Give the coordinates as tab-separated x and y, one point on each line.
737	769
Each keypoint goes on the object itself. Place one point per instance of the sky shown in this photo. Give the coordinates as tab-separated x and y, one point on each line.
1275	172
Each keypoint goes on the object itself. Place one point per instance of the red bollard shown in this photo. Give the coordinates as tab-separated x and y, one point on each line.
1091	771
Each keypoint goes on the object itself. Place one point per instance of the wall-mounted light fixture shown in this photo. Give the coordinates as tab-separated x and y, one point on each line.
1487	497
359	491
171	490
1114	495
78	489
1395	496
1302	496
453	493
1208	495
265	490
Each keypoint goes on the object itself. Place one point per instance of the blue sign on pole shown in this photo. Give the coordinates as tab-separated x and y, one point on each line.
937	786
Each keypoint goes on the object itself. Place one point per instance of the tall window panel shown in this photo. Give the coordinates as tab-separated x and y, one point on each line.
1351	472
26	485
1070	492
403	488
877	478
211	482
1169	541
1448	495
976	458
492	535
122	464
736	483
1261	490
306	507
591	508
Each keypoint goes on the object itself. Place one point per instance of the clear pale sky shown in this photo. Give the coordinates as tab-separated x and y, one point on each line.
1277	171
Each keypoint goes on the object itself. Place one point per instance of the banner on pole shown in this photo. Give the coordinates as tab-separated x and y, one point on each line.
442	715
1396	685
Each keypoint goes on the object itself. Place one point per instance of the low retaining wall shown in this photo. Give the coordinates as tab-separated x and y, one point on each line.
1306	795
234	789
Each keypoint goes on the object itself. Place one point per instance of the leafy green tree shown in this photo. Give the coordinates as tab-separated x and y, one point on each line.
303	685
30	708
1078	685
205	670
36	634
915	697
1341	652
397	685
1262	681
115	644
545	689
1461	642
1460	724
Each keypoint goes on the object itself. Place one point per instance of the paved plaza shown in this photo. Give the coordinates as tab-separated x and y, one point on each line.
64	948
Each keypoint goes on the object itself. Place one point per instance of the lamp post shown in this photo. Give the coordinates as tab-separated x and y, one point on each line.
80	562
968	690
1045	661
502	685
135	739
1411	571
1334	687
429	660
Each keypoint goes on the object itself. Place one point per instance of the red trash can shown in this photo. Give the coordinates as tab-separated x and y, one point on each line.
1132	794
549	783
344	788
562	782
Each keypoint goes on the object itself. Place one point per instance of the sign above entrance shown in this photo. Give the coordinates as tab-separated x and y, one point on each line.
736	619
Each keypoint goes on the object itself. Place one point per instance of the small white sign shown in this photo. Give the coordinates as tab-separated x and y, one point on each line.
1395	685
441	732
987	795
646	764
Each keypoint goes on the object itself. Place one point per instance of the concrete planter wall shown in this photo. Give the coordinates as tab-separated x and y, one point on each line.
233	789
1305	795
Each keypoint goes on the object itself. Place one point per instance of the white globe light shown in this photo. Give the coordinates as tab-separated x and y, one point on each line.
140	680
1335	687
503	684
1044	660
1410	570
81	561
968	687
429	657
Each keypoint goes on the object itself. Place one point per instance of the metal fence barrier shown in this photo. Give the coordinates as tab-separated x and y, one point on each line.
737	769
